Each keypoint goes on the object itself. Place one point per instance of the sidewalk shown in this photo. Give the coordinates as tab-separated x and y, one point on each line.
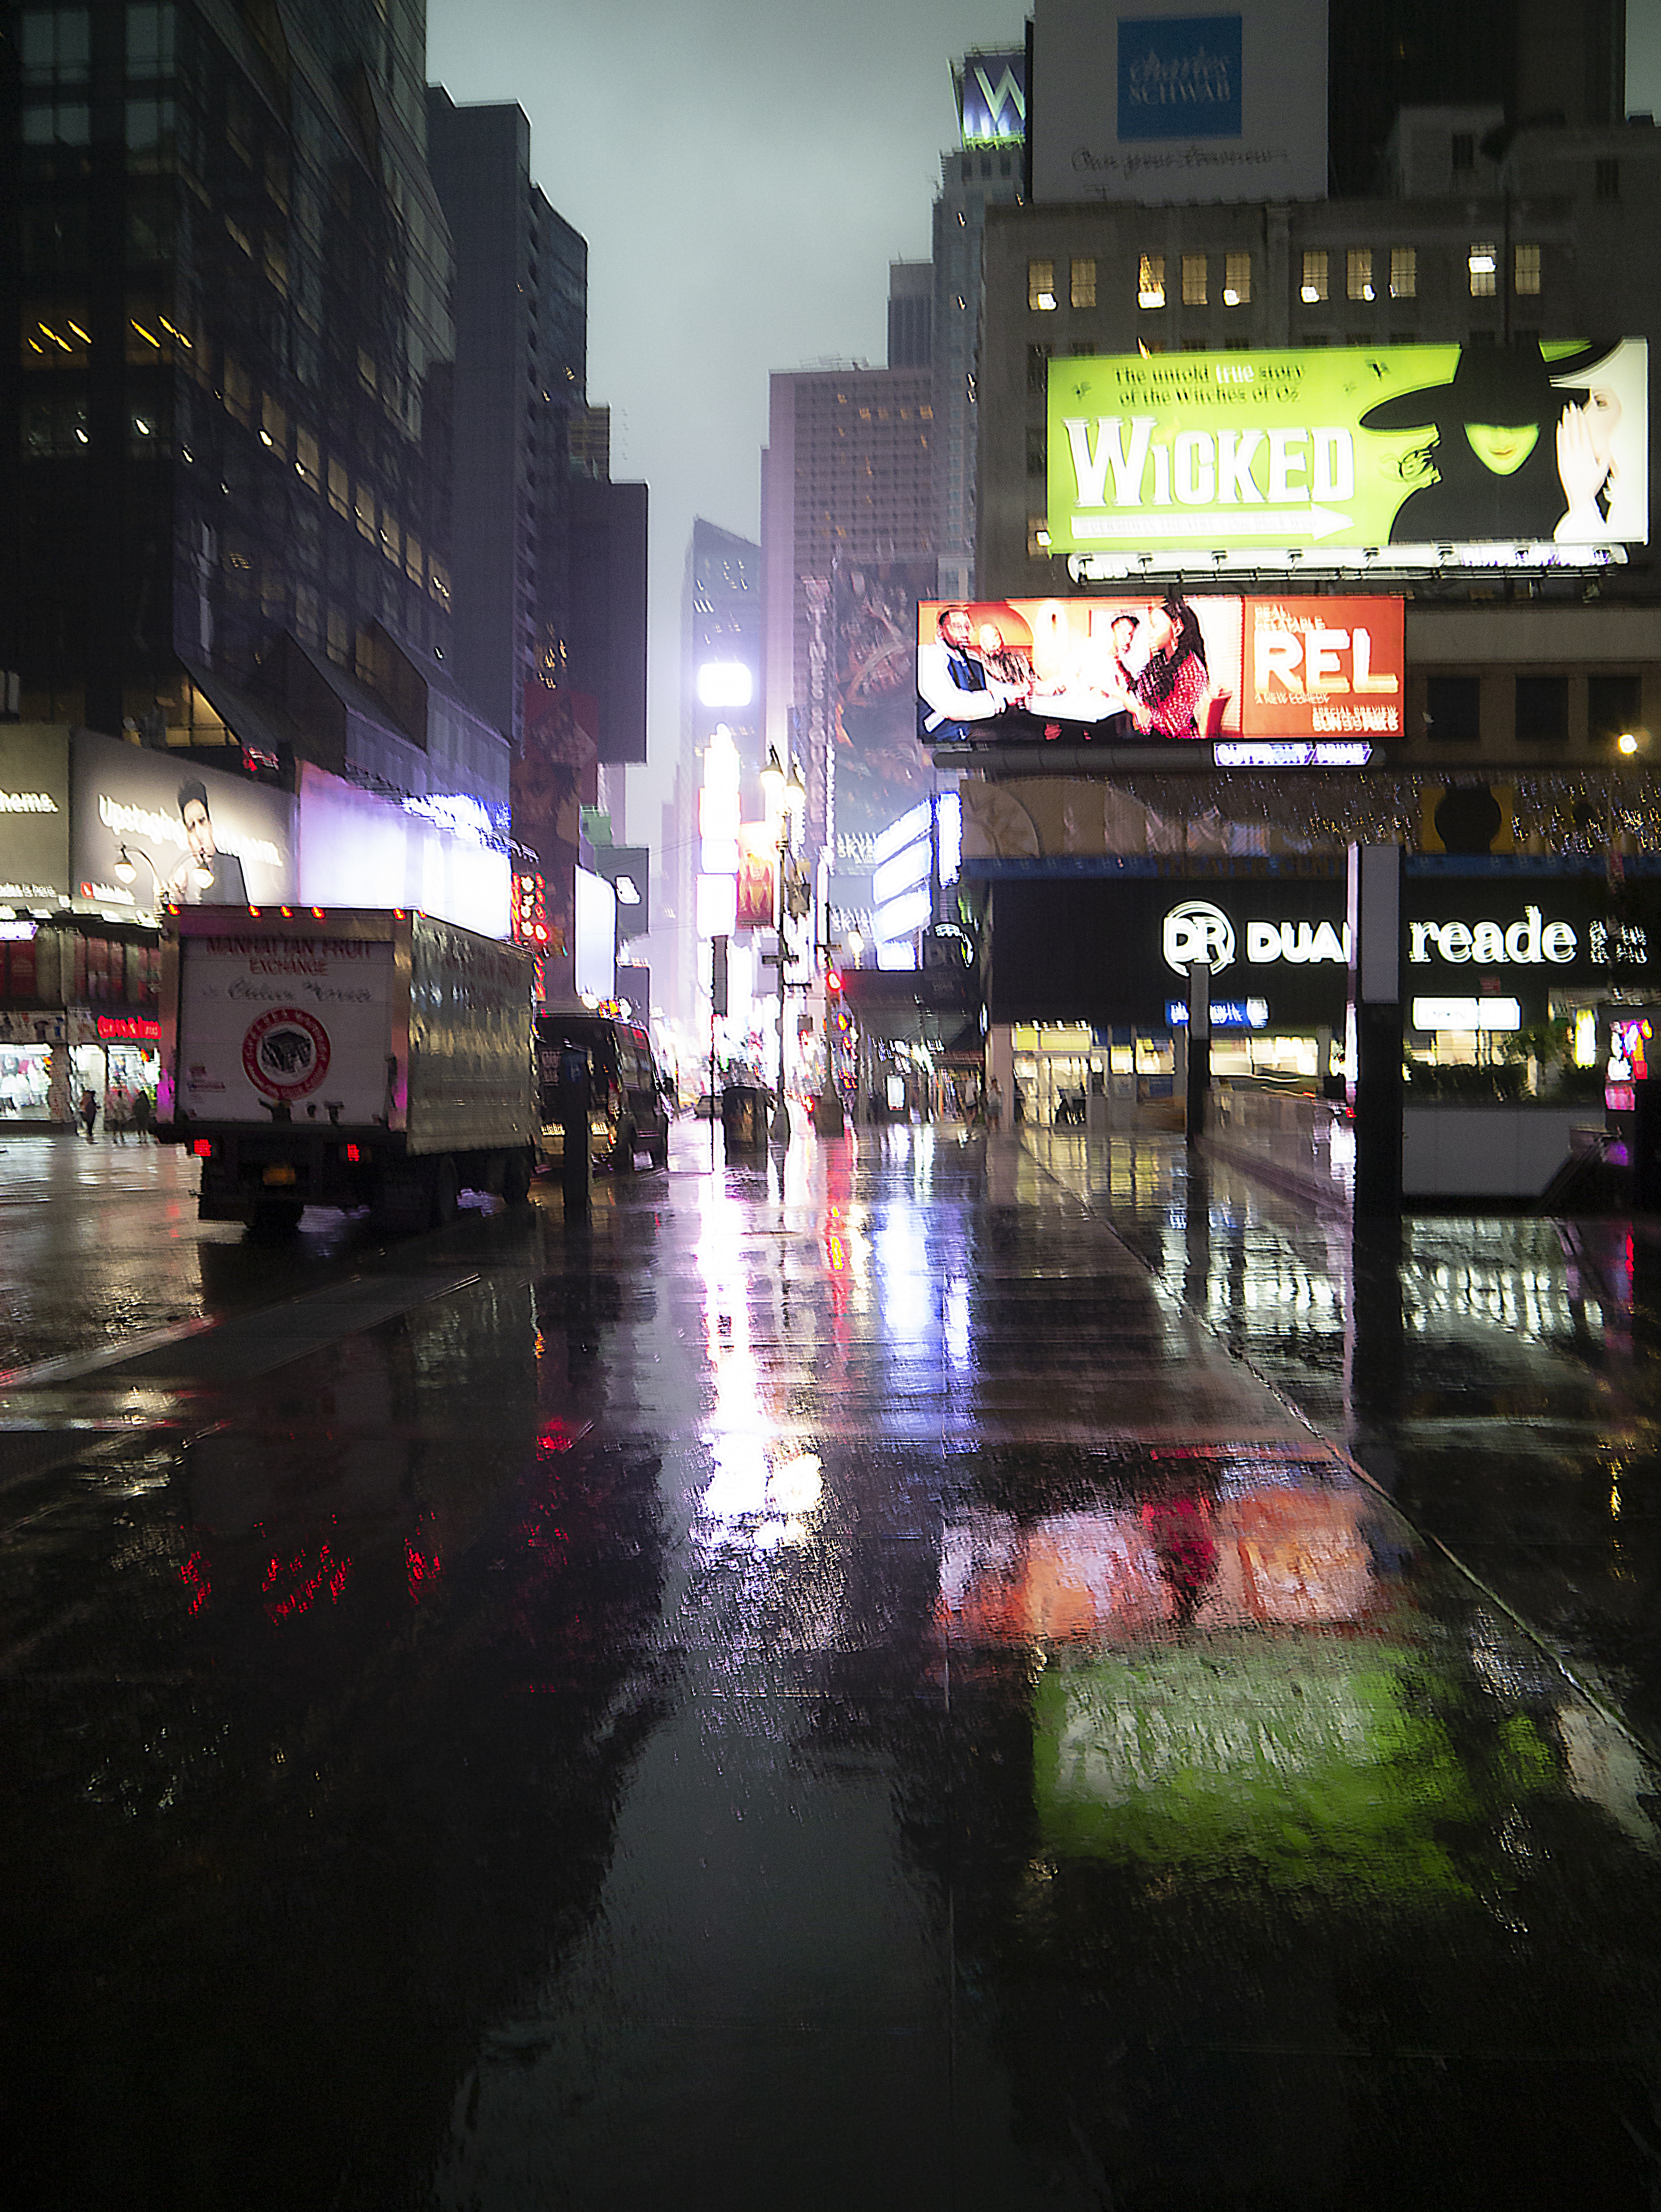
1498	1375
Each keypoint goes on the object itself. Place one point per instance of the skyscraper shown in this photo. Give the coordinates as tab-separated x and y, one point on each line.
227	427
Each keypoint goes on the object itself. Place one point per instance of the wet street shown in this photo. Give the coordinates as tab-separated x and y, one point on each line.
909	1673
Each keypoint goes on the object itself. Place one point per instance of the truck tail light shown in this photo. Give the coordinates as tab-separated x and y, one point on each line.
203	1147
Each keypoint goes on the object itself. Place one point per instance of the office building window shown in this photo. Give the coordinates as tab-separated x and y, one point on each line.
1542	710
307	460
1237	280
1315	276
364	504
1607	180
1041	286
1483	263
1453	710
1038	537
1614	708
1464	153
1037	369
1084	282
339	498
1037	452
1150	281
1194	280
1526	273
1358	272
1404	272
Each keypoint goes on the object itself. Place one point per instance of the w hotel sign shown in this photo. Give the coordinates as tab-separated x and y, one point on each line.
992	98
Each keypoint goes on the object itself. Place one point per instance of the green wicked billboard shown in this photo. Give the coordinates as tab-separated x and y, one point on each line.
1420	444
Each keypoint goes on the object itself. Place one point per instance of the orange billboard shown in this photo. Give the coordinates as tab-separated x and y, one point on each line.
1151	670
1323	668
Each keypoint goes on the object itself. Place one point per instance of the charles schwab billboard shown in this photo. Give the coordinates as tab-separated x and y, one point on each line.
1164	101
151	828
1522	446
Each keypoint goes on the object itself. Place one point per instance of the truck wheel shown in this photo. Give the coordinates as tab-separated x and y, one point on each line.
623	1152
516	1179
274	1218
443	1190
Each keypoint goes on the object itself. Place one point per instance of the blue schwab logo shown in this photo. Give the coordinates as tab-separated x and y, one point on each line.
1179	77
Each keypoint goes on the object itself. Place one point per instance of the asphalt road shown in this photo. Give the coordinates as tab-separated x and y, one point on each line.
891	1676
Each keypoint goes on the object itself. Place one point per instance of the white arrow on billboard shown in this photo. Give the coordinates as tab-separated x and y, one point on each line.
1279	523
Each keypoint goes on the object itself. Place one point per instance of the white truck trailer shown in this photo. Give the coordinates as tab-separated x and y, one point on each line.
344	1057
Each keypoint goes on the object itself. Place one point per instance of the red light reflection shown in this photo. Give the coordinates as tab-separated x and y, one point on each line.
293	1586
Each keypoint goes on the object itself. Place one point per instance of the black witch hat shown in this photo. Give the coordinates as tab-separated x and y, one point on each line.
1491	384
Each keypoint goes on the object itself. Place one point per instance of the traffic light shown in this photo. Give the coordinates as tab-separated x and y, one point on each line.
832	980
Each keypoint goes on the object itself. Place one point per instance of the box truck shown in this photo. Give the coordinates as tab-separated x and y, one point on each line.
343	1057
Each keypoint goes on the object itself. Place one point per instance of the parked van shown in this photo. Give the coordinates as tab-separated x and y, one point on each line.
628	1109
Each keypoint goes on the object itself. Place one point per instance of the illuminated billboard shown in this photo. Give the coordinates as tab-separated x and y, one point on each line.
150	828
1142	670
992	98
1165	101
1194	457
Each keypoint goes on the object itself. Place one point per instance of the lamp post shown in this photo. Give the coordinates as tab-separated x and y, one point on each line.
125	871
786	799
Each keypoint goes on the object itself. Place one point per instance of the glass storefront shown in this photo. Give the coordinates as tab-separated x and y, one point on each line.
25	1082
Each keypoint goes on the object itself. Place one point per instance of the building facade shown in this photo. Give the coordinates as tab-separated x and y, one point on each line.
231	399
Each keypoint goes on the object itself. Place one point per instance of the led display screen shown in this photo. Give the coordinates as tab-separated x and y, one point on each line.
1284	453
1152	670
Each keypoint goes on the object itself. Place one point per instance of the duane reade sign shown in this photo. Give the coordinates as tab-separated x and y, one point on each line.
1195	931
1164	101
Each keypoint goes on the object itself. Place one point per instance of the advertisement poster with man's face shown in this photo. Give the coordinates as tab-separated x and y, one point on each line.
1152	670
153	830
1530	444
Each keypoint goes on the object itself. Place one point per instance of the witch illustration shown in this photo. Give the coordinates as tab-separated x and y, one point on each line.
1519	451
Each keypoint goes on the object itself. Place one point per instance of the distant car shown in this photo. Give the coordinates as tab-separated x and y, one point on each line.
628	1112
708	1108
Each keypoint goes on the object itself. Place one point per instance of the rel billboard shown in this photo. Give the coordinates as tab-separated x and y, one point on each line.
1141	671
1422	446
1165	101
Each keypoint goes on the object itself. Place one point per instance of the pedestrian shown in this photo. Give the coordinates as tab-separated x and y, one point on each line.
143	1113
88	1112
115	1113
994	1106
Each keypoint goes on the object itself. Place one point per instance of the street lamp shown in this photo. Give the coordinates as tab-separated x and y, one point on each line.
126	873
786	800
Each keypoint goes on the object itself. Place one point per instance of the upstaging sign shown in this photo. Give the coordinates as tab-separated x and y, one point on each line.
1250	675
1431	451
1115	950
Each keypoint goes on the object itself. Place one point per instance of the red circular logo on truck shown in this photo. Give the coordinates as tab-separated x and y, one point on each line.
286	1053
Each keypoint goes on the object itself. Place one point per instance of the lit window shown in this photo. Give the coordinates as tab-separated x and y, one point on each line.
337	488
1038	537
273	425
1237	280
239	392
1483	263
1526	275
306	459
365	506
1315	276
1041	286
1150	281
1084	283
1194	280
412	567
1404	272
1358	272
